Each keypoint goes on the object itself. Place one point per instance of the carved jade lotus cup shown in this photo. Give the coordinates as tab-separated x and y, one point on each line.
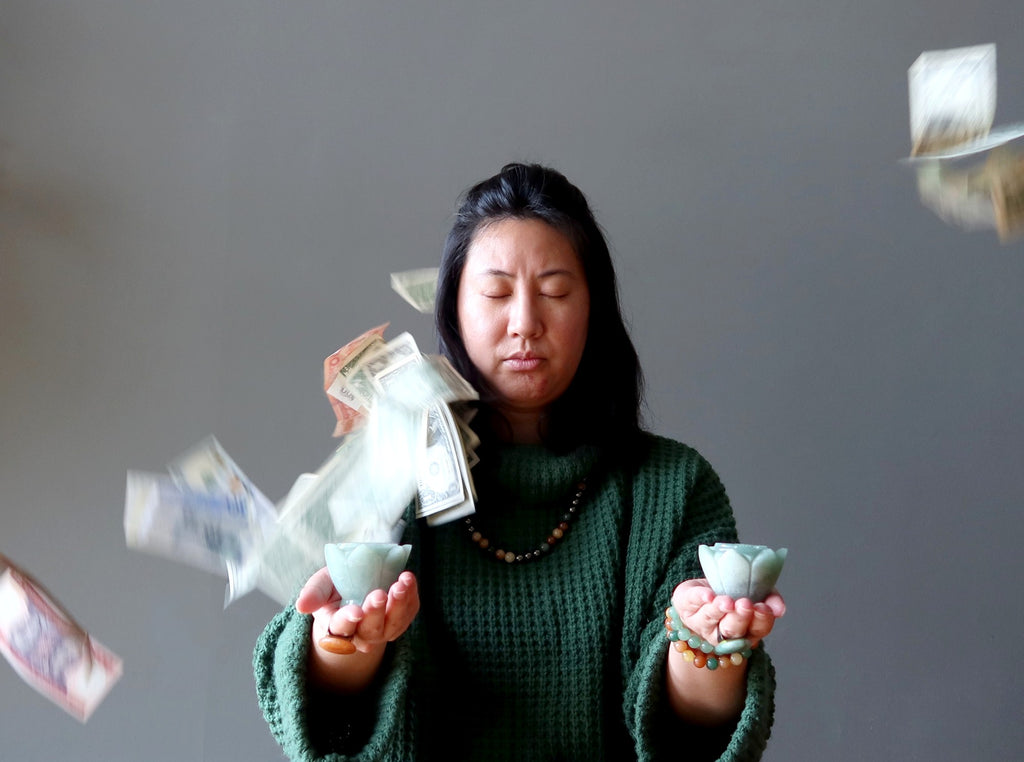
741	571
357	568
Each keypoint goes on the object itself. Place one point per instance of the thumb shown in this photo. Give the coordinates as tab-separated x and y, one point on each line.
317	592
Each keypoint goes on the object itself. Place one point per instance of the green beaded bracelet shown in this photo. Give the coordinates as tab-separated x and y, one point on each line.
700	652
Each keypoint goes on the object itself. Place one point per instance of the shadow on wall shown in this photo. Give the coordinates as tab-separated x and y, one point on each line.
39	218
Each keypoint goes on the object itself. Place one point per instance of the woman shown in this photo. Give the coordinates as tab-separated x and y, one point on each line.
535	630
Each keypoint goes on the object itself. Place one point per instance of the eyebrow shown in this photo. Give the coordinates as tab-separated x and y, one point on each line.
545	274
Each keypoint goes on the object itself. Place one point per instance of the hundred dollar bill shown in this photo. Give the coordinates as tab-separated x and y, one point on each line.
49	650
207	531
207	468
418	287
952	97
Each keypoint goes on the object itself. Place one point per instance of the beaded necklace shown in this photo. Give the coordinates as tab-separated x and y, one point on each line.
498	552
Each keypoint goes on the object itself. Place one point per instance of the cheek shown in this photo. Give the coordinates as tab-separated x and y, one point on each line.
475	328
483	317
578	329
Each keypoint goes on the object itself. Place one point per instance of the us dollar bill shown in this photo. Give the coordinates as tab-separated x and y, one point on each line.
351	385
368	367
445	489
382	362
468	441
207	531
418	287
207	467
337	503
295	549
49	650
348	409
438	478
454	388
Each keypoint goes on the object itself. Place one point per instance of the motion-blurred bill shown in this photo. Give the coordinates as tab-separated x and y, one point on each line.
49	650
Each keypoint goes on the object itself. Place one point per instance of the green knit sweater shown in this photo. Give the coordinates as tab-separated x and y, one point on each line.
561	658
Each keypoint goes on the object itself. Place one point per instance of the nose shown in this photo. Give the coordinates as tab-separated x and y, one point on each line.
524	316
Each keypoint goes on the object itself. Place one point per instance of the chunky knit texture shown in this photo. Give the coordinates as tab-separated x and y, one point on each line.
558	659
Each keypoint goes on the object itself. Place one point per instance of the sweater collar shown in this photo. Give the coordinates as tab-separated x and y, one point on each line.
533	473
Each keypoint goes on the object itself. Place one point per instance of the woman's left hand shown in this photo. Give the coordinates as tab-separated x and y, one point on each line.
719	617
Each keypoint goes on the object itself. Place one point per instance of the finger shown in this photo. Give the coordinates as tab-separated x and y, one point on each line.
775	602
762	622
318	591
689	596
735	624
725	604
370	629
403	605
345	621
322	620
322	633
401	592
704	621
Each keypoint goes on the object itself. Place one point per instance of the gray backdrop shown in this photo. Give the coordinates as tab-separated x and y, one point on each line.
202	199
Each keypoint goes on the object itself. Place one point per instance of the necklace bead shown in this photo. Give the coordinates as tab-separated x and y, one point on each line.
557	534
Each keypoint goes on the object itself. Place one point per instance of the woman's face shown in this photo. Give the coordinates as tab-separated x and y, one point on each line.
523	308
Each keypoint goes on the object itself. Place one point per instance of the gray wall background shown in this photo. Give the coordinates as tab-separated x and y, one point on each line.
200	200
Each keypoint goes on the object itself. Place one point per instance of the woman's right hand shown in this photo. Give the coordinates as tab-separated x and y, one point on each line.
383	617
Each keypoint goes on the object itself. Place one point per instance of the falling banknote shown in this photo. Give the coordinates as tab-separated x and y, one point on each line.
977	196
1006	180
952	97
48	649
402	417
205	512
348	408
417	287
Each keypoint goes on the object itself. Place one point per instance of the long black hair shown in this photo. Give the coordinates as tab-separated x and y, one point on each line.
602	405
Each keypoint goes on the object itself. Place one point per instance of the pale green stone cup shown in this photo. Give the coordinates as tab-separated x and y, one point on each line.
741	571
357	568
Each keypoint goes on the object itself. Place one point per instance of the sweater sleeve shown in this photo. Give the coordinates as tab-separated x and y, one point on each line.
679	503
316	726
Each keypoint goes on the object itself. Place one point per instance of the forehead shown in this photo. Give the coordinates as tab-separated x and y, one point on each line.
515	246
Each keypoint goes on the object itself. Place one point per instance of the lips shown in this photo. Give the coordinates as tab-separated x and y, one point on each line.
523	361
